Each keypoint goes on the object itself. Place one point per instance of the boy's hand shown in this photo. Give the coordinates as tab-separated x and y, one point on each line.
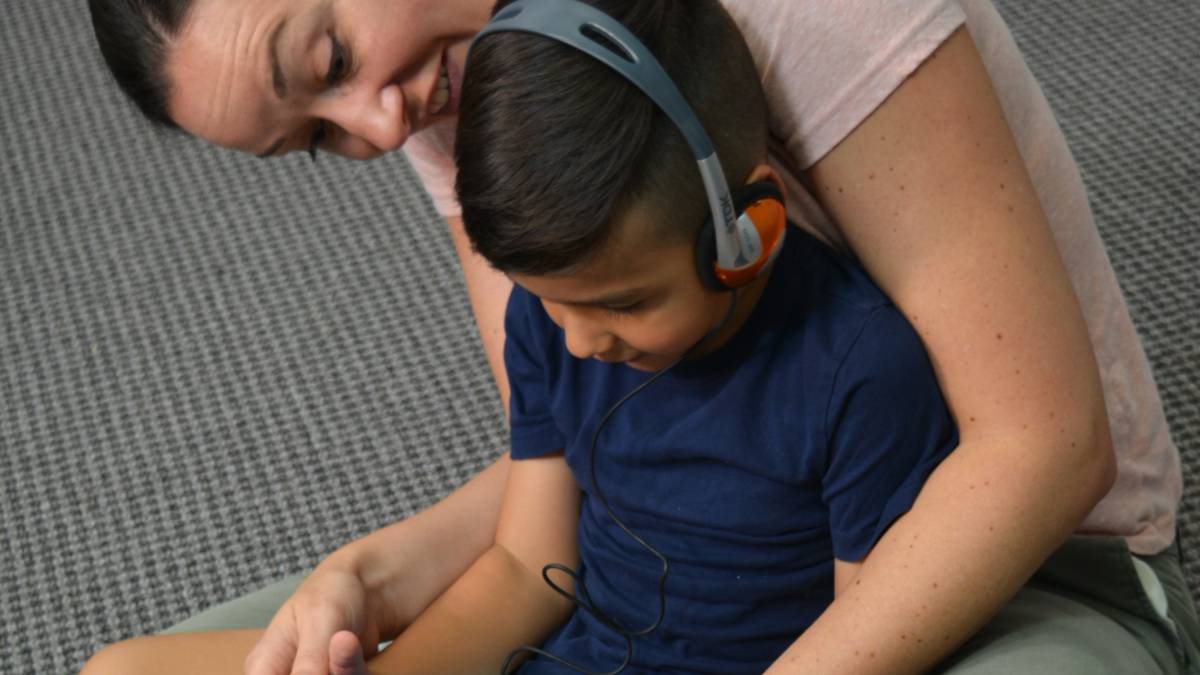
331	603
346	655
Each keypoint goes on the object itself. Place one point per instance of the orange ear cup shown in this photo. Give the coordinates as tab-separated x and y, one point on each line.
762	202
770	219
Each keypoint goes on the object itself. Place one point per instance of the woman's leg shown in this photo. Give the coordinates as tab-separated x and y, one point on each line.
215	641
1089	611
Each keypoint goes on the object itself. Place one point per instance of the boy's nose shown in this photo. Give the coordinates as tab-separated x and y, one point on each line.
586	339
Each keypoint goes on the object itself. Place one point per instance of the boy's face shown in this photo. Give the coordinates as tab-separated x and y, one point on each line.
639	302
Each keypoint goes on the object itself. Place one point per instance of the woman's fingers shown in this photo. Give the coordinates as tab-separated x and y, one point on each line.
298	641
317	629
274	654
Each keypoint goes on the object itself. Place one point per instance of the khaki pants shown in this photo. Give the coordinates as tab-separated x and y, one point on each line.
1090	611
1087	611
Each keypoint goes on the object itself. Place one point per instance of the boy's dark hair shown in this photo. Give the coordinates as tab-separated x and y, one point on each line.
553	147
134	36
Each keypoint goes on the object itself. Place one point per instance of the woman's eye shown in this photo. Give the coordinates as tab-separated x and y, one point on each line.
337	61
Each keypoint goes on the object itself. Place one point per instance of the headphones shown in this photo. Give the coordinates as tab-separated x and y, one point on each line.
745	231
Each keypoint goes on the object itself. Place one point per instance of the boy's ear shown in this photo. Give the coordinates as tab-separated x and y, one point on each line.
764	172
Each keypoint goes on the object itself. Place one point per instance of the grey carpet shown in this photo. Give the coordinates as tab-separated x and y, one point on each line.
214	370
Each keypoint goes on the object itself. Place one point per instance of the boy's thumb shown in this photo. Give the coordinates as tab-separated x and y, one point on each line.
345	655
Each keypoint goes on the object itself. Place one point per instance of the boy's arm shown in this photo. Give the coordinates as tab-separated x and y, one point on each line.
501	602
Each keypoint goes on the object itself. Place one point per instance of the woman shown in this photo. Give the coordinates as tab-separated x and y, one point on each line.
890	125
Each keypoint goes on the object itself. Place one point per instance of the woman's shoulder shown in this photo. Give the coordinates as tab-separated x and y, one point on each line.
826	66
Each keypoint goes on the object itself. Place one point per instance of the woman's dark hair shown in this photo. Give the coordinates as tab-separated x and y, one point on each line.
553	147
134	36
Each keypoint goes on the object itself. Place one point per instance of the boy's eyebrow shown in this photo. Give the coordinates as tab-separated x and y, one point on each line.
618	298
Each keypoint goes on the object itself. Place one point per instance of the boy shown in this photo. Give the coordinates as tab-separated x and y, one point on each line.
796	419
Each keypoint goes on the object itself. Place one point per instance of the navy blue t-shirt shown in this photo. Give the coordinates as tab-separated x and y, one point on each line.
800	440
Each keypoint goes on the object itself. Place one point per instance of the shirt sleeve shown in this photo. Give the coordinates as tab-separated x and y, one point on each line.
826	66
887	429
533	432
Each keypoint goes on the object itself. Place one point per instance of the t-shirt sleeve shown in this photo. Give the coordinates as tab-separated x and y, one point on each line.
887	429
430	152
528	330
826	66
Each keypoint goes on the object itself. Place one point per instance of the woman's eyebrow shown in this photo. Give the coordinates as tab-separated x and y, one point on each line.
278	83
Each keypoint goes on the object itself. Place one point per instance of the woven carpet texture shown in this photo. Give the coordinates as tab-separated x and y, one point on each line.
215	370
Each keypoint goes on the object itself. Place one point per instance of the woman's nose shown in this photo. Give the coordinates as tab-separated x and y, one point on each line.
377	117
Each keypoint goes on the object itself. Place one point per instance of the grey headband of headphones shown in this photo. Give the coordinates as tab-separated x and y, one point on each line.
568	21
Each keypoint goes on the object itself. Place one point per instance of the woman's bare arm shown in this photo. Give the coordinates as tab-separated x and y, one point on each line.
488	290
402	568
413	561
933	197
405	566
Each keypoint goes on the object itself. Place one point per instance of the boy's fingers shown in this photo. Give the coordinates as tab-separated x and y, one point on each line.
345	655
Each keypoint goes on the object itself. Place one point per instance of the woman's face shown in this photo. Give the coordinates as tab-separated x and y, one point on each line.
352	77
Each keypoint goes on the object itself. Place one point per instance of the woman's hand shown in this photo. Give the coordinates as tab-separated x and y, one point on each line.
374	587
322	627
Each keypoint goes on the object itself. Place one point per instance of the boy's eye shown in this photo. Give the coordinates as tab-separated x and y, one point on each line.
625	310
